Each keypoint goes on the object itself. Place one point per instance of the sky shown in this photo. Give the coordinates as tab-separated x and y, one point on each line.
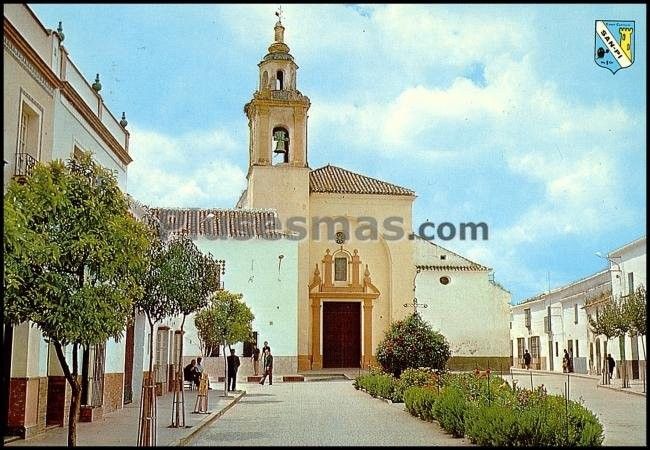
491	113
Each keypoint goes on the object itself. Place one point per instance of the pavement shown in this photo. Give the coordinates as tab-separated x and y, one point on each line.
319	413
120	427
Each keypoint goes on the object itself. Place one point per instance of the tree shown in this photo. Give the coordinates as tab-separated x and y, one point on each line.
226	320
73	257
412	342
155	281
635	312
612	322
196	278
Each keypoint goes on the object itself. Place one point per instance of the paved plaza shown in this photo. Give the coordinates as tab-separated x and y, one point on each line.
317	414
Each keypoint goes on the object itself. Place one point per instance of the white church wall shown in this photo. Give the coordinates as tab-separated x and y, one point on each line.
270	289
472	313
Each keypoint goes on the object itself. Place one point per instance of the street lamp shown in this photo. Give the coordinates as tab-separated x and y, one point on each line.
618	267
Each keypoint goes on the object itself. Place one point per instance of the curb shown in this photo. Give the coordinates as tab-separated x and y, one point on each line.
205	422
625	391
549	372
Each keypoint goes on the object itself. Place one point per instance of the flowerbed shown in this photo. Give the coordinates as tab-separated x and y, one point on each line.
494	415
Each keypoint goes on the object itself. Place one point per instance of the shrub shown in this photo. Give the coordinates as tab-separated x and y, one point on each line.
538	420
414	377
419	401
494	425
449	410
377	385
412	342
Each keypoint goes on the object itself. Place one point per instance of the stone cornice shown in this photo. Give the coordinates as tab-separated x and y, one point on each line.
75	99
29	59
46	78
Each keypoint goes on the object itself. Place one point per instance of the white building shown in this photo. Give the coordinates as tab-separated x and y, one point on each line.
627	271
447	284
551	322
52	112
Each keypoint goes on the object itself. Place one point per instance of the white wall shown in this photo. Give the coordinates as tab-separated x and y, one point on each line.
71	129
272	295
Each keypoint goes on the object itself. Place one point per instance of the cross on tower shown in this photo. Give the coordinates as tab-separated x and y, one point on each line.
415	304
279	14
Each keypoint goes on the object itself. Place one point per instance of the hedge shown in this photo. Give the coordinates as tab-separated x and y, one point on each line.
498	416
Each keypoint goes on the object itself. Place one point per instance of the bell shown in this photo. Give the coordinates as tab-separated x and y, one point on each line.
279	147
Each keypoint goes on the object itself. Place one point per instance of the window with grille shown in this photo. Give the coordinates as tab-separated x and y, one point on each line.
22	135
527	317
340	269
575	313
520	347
534	346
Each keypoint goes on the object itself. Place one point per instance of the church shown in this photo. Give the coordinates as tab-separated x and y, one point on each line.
326	258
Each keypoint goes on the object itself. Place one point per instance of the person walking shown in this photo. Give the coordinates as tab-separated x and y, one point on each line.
255	359
610	365
268	366
527	358
565	362
233	365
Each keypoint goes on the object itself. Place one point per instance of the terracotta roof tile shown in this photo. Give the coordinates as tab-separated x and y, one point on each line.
226	223
337	180
453	267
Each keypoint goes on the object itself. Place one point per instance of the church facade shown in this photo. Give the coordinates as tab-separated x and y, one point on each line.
357	263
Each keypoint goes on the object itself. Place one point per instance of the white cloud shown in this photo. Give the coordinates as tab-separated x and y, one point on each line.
192	170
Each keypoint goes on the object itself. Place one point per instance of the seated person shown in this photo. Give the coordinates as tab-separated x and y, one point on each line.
189	372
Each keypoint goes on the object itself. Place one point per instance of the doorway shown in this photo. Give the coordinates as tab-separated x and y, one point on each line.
341	334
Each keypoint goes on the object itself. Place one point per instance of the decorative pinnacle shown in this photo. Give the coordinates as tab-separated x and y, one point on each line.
97	86
123	122
60	32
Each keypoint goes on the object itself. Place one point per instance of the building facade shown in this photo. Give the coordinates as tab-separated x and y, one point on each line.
627	272
52	112
350	257
552	322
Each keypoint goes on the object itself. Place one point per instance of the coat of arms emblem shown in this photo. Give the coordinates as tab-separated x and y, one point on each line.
614	47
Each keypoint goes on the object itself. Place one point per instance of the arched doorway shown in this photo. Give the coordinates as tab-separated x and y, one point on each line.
341	312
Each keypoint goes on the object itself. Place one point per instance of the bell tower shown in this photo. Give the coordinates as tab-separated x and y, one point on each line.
277	114
278	172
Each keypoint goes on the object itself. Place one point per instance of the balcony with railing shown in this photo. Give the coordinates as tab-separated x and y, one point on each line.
24	166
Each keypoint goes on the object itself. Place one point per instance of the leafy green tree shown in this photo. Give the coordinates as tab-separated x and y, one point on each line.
226	320
635	311
196	279
613	321
412	343
155	279
73	257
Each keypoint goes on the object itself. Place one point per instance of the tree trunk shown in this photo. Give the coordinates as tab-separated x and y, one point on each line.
76	391
621	346
179	391
225	371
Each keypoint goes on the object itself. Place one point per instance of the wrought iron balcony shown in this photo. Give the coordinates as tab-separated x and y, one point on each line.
24	165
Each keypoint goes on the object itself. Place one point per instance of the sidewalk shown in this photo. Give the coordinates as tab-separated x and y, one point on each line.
120	428
636	386
518	371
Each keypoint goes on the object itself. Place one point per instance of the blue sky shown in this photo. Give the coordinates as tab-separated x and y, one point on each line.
491	113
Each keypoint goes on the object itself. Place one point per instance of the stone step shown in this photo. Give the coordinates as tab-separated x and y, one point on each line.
293	378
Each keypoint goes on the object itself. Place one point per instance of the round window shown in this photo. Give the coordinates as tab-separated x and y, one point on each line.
340	237
444	280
